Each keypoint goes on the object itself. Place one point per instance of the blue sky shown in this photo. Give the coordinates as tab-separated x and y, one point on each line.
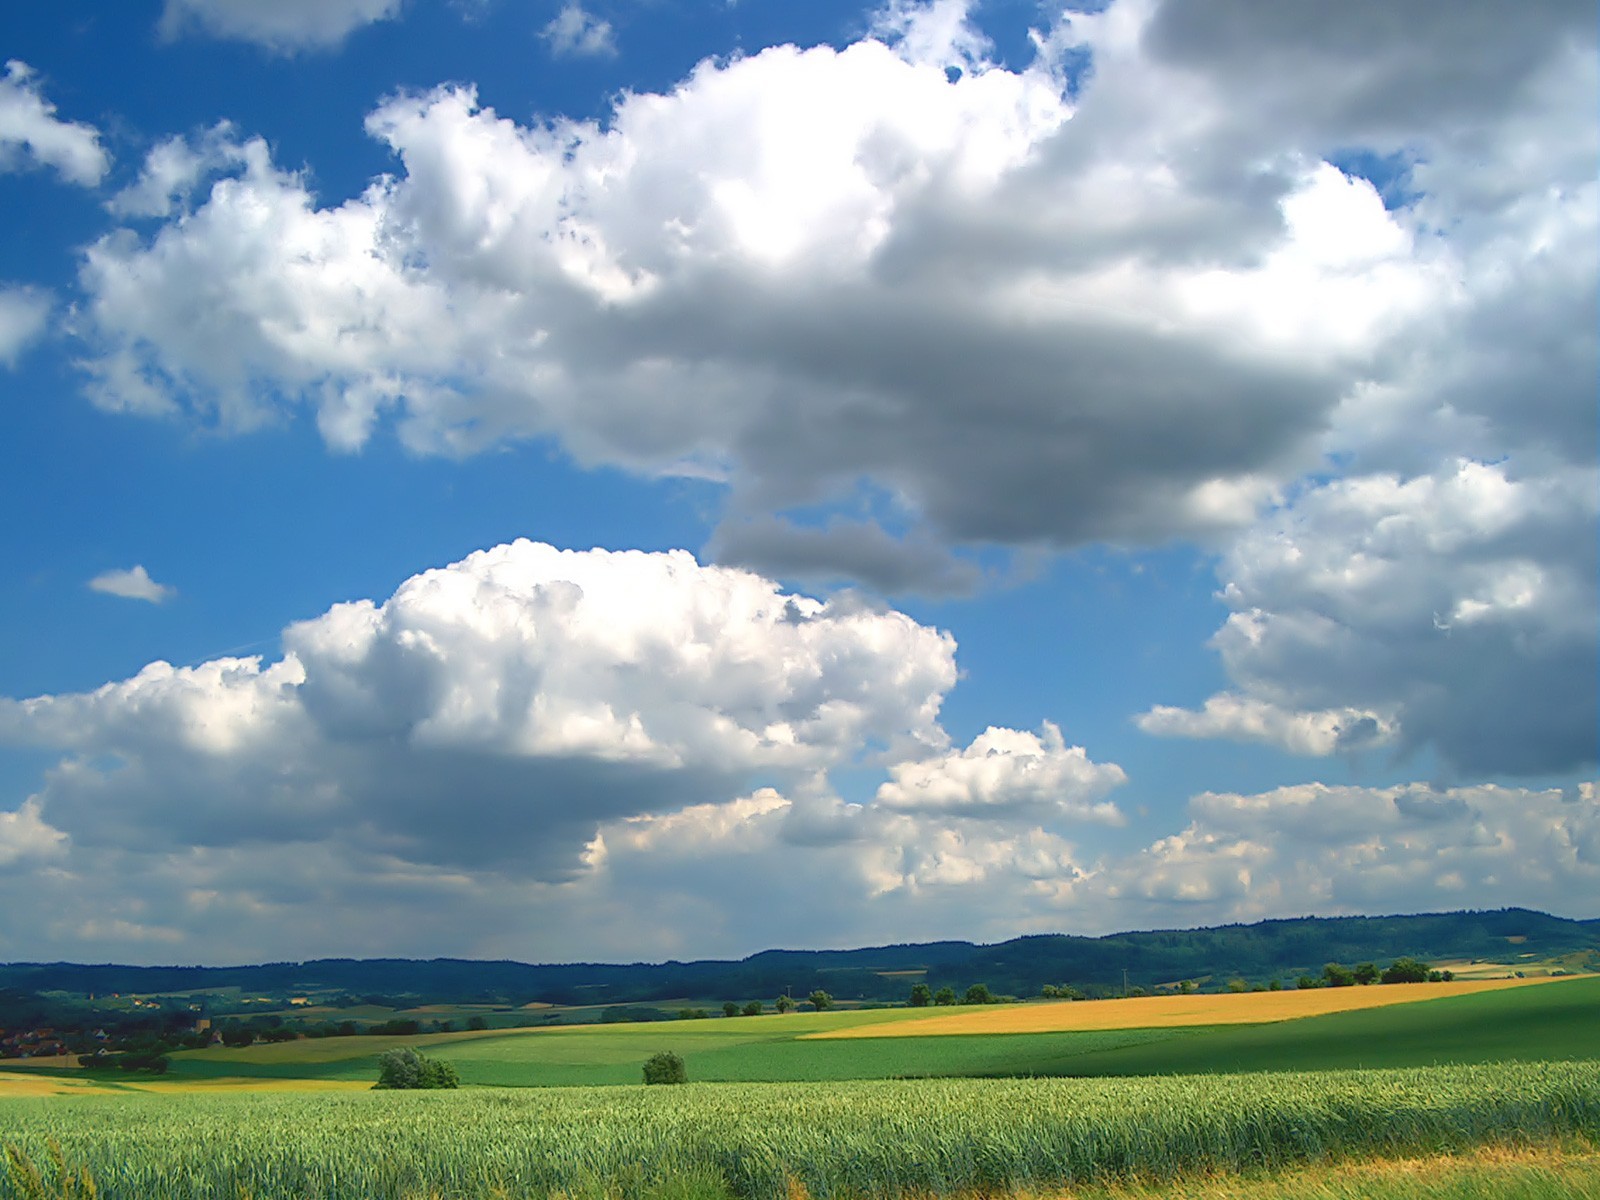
1086	469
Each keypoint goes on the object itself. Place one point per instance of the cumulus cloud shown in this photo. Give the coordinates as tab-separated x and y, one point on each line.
32	135
176	166
23	834
280	25
534	740
1244	719
494	711
845	551
1018	309
24	314
1325	849
576	32
1006	771
133	583
1453	611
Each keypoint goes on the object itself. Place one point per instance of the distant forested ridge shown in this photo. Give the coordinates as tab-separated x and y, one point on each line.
1022	966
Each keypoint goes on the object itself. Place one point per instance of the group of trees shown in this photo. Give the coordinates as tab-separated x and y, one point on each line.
1402	970
922	995
406	1069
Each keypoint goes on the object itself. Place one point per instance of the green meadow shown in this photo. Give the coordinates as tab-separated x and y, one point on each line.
1495	1094
765	1141
1553	1021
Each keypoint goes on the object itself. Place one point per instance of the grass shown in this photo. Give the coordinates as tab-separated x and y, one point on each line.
1555	1021
761	1141
758	1052
1248	1008
1559	1020
1497	1173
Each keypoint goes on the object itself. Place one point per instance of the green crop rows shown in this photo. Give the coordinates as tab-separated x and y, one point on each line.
752	1140
1549	1022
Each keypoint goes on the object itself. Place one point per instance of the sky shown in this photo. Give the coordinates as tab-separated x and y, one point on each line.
646	479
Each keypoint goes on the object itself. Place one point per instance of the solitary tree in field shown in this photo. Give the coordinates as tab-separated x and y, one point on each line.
1366	973
730	1009
752	1009
820	1000
921	995
783	1004
945	995
978	993
665	1067
405	1069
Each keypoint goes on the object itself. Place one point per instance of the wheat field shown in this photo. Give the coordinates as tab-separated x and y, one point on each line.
1162	1012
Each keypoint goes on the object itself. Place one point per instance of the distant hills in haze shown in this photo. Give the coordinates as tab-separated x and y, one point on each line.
1280	949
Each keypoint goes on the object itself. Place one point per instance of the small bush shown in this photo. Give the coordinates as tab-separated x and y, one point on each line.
407	1070
665	1067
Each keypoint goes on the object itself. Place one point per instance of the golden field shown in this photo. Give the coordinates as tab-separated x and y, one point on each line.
1158	1012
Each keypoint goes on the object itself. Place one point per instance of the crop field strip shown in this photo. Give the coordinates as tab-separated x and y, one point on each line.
1154	1012
1558	1021
755	1141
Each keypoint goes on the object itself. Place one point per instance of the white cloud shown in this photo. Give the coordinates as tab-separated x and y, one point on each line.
23	834
493	712
32	135
281	25
576	32
1452	610
133	583
1332	850
1020	312
533	741
1250	720
176	166
24	314
1006	771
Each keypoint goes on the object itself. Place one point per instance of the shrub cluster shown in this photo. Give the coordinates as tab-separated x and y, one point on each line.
406	1070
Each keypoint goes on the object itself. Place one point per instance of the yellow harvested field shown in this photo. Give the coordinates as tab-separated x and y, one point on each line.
1159	1012
233	1084
29	1083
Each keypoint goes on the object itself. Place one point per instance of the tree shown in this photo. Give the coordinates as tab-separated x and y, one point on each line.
921	996
945	995
730	1009
1406	970
1185	987
477	1023
752	1009
1238	985
1337	975
820	1000
1366	973
978	993
406	1069
783	1004
665	1067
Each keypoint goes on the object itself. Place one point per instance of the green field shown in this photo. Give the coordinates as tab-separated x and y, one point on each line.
759	1141
1551	1021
